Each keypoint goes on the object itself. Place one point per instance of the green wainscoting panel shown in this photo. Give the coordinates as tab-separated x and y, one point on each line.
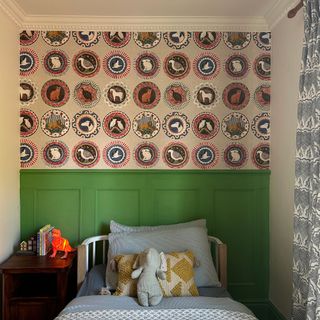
235	204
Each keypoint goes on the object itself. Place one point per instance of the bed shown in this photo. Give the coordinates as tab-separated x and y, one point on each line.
212	302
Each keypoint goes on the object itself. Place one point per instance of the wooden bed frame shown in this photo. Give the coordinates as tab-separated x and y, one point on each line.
88	247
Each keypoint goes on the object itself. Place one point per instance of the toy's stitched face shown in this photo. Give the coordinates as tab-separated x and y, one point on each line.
56	233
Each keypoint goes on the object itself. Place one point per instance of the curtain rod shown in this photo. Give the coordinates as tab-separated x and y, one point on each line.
292	13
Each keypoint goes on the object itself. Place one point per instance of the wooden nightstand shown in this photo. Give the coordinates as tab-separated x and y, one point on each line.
37	287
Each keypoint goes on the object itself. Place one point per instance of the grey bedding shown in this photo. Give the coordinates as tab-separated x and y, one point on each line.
213	303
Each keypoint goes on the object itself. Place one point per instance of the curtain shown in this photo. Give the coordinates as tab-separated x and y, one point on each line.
306	244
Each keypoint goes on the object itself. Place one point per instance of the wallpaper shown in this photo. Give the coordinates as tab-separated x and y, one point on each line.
172	100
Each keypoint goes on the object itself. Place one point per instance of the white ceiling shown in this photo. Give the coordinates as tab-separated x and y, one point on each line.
193	15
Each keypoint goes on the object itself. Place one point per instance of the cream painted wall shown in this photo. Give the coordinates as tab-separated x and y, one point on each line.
9	138
287	39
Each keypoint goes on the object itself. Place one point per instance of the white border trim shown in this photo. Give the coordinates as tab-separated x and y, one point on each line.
155	23
143	23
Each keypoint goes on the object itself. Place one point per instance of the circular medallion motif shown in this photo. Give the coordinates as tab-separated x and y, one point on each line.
235	156
29	62
86	154
235	126
116	124
28	153
176	125
116	154
116	64
87	94
147	65
205	156
86	63
28	92
236	96
86	124
205	125
262	40
146	95
116	39
146	154
146	125
28	37
206	96
55	38
260	126
55	93
262	97
55	123
261	156
177	40
176	65
207	40
262	66
206	66
56	62
28	123
237	66
116	94
175	155
147	40
86	39
55	153
237	40
177	95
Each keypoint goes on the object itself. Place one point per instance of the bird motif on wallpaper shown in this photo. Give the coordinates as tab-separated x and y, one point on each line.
87	35
178	36
176	66
176	96
206	66
85	154
27	34
24	62
204	124
176	126
116	155
86	94
205	156
119	35
55	153
175	155
86	64
264	156
87	125
265	127
24	154
265	66
117	64
25	123
206	36
55	62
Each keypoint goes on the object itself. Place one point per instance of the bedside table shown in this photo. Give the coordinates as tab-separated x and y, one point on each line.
37	287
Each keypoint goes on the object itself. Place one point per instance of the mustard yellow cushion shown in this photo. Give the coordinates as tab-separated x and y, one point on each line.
179	276
126	286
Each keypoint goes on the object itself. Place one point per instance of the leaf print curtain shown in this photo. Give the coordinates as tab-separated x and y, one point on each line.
306	254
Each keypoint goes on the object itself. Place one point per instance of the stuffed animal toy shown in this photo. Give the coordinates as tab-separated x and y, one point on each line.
60	244
149	266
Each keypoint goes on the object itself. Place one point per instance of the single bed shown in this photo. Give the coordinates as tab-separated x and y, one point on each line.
212	303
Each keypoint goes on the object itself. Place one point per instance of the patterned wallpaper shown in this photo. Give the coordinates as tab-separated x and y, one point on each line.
179	100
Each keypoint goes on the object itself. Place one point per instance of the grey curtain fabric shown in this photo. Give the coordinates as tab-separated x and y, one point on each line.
306	260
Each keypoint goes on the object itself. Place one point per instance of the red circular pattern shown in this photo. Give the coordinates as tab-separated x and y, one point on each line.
236	96
116	64
55	93
55	153
207	40
147	65
86	63
237	66
56	62
261	156
205	155
29	62
116	39
28	37
86	154
146	95
146	154
175	155
116	154
206	66
28	123
235	155
205	125
28	153
176	65
116	124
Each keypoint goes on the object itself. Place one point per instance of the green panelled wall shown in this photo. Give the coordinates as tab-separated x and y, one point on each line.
235	203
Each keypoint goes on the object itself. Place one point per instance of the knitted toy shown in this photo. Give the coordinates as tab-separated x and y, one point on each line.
149	266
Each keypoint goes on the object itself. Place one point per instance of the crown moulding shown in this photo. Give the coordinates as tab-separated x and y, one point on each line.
146	23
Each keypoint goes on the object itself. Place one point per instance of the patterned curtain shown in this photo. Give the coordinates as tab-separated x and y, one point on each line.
306	255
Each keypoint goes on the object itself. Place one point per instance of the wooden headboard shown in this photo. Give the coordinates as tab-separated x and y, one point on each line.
87	257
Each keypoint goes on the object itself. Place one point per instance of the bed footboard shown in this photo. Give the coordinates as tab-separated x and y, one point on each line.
88	249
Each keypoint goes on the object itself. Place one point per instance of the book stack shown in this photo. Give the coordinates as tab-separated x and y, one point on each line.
44	238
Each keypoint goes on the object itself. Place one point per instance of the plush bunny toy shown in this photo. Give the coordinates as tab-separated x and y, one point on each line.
149	265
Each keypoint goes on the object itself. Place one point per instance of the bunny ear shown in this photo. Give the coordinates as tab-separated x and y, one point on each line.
163	262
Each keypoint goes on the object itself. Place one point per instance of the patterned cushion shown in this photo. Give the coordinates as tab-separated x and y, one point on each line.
126	285
179	276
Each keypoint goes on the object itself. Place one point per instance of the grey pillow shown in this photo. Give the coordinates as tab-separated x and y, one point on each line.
166	240
117	227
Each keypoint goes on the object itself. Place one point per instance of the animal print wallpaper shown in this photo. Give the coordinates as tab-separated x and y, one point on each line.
135	100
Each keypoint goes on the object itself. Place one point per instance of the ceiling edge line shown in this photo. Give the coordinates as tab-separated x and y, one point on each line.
278	12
